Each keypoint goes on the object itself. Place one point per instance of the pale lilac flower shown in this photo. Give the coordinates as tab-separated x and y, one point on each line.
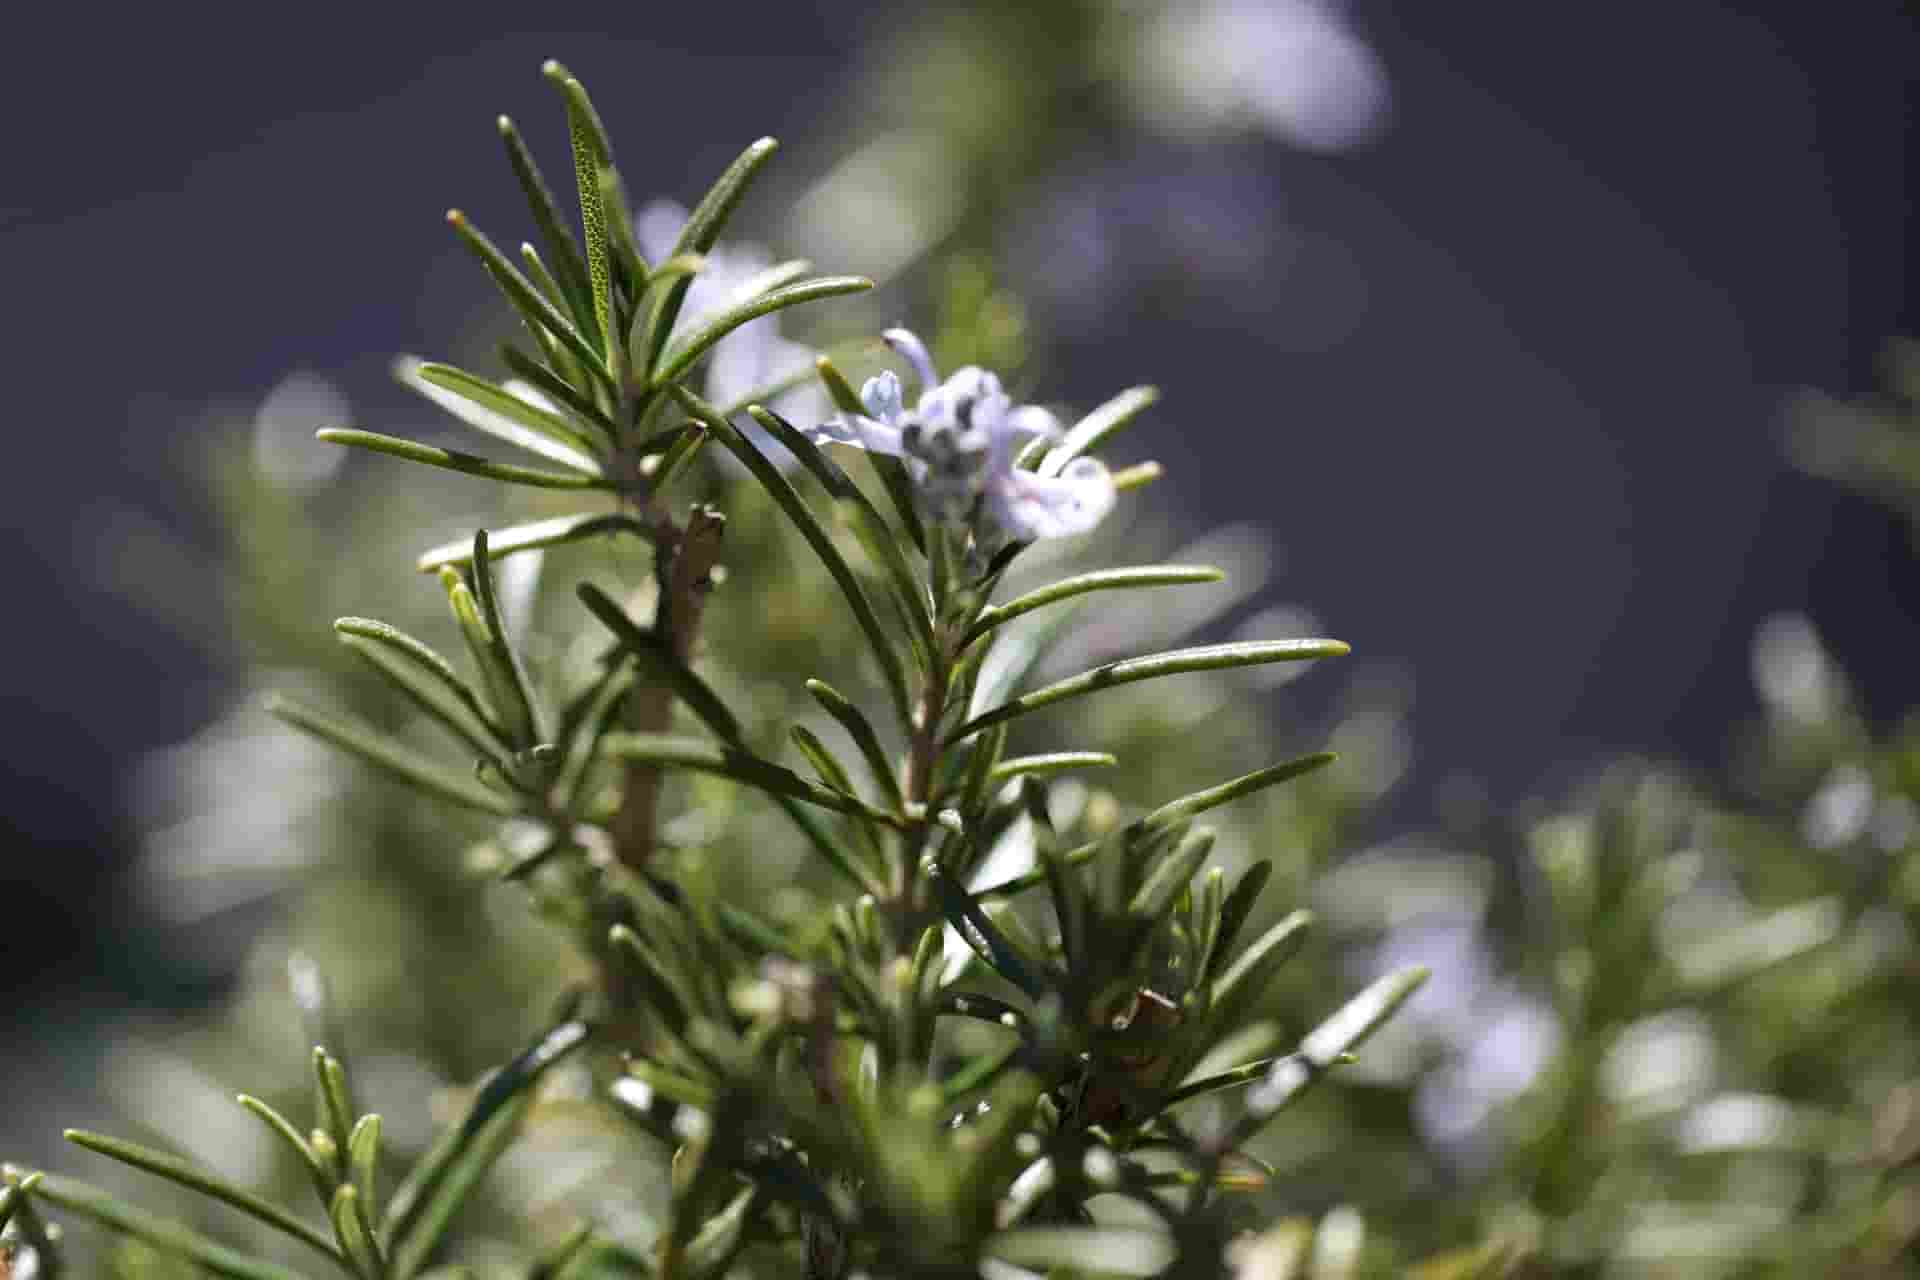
755	355
961	443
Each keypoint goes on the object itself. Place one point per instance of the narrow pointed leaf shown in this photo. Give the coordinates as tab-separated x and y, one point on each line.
1176	871
439	1183
1080	584
363	1158
168	1237
427	679
1090	431
1211	657
979	932
336	1100
712	329
877	536
534	536
826	765
860	729
540	315
1191	806
562	247
1244	978
730	762
1233	915
394	760
701	230
1325	1047
186	1174
782	492
589	153
1048	764
661	665
488	407
1257	1040
283	1127
351	1229
455	460
558	389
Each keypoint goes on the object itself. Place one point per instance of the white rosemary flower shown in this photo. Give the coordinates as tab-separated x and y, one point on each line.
961	443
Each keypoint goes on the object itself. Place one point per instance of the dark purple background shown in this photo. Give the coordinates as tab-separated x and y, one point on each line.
1543	466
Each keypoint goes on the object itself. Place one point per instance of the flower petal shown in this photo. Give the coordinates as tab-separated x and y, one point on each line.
914	352
881	395
1028	506
859	431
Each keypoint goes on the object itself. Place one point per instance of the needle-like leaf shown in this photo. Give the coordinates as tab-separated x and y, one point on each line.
394	760
185	1173
1211	657
454	460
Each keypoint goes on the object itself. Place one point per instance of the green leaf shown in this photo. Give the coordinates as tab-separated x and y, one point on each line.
1091	430
1190	806
394	760
570	269
363	1157
663	992
1118	1251
1239	903
731	762
712	329
979	932
698	235
782	492
1325	1047
454	460
558	389
478	613
316	1168
354	1232
336	1100
654	658
1176	871
494	409
539	315
1102	580
1248	974
590	151
1256	1040
434	1189
427	679
168	1237
186	1174
860	729
826	765
879	539
1210	657
1048	764
533	536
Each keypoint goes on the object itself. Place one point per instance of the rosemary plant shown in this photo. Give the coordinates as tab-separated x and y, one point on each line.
945	1074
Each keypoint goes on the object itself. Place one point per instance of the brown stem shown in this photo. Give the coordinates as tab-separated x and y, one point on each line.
686	577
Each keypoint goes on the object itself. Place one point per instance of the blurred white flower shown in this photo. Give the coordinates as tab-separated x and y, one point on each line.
1292	68
283	444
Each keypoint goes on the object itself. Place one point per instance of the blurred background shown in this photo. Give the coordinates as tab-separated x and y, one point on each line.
1481	333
